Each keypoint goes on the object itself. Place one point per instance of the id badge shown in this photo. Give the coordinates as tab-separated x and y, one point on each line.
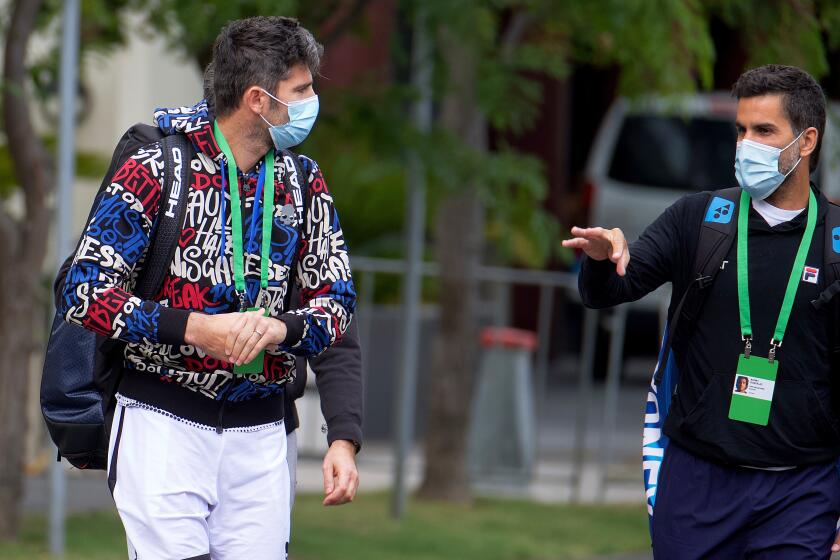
256	365
752	393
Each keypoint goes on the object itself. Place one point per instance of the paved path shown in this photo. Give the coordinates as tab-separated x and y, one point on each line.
552	483
88	491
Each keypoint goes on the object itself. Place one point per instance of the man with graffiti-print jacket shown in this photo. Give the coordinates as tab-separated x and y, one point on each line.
197	457
338	374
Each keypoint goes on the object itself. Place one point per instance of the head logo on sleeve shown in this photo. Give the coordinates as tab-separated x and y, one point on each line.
835	239
721	210
810	275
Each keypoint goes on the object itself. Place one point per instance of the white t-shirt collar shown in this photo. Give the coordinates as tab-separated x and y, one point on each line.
772	215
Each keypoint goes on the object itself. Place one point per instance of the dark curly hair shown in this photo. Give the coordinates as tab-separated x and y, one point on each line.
803	100
257	51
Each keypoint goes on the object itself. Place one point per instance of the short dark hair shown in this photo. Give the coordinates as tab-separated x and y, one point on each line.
259	51
803	100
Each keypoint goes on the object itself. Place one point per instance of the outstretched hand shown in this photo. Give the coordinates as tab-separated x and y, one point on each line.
602	244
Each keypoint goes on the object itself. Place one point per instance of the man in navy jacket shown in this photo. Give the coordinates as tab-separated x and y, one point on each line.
749	475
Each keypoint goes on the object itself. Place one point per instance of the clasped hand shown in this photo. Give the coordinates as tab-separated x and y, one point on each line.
234	337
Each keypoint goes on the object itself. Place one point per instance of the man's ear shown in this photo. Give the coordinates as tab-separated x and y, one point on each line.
808	143
255	99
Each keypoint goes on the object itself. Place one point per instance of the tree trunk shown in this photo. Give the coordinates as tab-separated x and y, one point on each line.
21	257
459	236
15	347
458	248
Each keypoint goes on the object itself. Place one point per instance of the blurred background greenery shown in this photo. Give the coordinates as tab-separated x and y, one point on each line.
519	90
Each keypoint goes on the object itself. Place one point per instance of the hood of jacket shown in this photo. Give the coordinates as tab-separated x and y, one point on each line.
196	122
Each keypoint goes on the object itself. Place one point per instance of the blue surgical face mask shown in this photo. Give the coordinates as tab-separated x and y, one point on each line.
757	167
302	115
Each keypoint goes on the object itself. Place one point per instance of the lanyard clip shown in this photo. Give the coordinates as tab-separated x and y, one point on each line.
747	346
243	302
774	344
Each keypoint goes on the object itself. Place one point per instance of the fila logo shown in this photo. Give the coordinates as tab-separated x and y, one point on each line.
723	265
810	274
176	183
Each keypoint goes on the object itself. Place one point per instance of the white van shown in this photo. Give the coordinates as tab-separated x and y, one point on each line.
651	151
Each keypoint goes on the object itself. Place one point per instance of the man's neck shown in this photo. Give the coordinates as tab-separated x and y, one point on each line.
246	149
794	193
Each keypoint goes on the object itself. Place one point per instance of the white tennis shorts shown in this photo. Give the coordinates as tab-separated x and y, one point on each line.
185	492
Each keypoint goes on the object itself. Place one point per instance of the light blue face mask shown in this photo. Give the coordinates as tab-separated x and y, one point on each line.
757	167
302	115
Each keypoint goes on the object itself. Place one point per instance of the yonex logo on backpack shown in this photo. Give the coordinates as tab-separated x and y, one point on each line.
835	239
720	211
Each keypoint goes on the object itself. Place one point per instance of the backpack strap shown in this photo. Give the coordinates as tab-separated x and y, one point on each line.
177	153
163	240
831	268
831	257
297	181
717	233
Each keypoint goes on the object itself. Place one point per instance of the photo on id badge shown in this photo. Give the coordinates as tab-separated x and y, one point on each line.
754	387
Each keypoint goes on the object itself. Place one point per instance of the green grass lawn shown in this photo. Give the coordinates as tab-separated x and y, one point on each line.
489	530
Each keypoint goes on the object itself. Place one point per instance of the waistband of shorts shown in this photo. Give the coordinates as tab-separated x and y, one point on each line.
194	407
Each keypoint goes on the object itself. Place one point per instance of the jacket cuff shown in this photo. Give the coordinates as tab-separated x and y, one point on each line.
593	282
294	329
172	325
344	428
600	268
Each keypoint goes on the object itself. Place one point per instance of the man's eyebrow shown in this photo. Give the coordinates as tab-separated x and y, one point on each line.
758	126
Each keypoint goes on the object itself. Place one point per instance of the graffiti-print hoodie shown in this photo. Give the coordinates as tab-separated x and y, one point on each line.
161	371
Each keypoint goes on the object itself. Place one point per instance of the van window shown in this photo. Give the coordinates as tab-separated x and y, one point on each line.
673	152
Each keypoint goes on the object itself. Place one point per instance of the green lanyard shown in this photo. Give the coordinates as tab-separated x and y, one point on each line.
236	218
793	282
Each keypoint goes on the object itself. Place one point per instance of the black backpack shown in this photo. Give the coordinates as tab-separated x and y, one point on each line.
82	369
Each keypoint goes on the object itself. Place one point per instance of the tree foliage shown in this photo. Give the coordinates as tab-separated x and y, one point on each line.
192	25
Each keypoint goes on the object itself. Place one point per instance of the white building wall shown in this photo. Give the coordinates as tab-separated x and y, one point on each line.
127	85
